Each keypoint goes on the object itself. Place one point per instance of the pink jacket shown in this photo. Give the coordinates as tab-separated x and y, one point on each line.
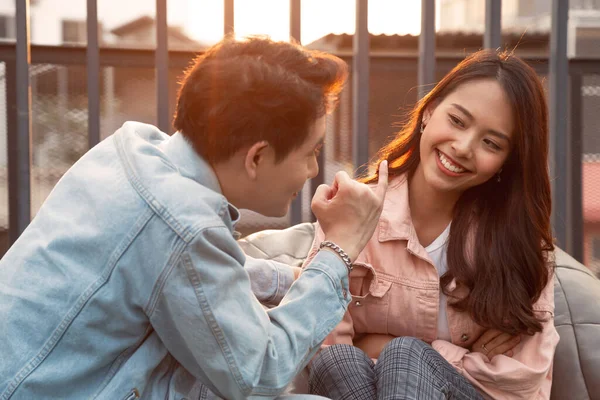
395	290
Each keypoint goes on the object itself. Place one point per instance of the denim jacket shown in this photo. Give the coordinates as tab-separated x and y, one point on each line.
129	284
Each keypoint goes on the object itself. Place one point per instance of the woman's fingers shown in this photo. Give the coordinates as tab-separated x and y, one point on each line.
494	342
480	344
507	346
497	341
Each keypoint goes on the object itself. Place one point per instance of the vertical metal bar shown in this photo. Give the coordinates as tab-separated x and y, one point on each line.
317	180
108	77
12	151
162	67
62	90
360	78
426	75
575	228
93	74
295	35
493	26
295	20
228	17
19	127
559	76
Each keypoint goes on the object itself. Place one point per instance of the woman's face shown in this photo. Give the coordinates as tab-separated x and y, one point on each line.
467	137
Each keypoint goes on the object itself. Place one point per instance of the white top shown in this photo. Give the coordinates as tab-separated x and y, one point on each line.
438	252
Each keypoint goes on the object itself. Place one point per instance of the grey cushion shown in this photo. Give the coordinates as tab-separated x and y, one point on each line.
577	320
577	312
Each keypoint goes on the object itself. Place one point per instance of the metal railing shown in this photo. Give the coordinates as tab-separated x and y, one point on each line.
565	103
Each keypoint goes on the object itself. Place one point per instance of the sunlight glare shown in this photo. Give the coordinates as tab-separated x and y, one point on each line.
319	18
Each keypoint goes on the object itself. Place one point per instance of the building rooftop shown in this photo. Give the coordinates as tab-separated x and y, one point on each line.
530	42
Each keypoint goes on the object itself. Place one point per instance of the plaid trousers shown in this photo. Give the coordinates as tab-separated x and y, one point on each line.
407	368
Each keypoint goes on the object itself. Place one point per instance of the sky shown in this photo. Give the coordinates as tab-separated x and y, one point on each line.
318	18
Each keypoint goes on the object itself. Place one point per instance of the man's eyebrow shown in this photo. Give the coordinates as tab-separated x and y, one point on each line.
499	135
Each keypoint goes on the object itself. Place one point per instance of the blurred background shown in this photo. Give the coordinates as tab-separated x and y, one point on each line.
127	32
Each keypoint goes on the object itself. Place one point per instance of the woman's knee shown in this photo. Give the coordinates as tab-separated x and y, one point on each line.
336	355
338	371
404	346
405	343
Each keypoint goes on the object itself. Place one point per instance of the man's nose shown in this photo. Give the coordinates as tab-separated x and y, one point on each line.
313	169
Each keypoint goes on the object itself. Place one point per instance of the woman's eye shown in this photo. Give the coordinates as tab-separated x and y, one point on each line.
456	121
492	144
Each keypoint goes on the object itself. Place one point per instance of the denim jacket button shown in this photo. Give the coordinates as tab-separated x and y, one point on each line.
357	303
464	337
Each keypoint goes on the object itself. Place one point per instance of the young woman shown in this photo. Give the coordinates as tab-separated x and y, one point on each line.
453	295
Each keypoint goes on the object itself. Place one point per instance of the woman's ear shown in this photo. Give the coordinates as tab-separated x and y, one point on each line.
429	109
254	157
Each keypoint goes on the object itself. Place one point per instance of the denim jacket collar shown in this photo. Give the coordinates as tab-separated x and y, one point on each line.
141	144
181	153
191	165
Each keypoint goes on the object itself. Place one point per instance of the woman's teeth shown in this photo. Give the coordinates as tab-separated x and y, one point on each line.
449	165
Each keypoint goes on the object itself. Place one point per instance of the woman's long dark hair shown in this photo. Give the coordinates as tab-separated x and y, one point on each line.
509	220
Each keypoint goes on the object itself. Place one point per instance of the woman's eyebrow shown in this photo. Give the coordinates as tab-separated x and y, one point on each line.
500	135
463	110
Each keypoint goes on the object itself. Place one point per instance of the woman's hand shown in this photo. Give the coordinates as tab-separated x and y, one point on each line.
494	342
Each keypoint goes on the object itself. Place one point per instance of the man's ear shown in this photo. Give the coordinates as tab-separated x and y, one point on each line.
254	156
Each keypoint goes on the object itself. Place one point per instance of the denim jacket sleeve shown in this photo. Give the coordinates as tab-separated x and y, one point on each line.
344	332
270	280
211	322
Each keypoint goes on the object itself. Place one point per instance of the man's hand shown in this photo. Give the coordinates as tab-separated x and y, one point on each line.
348	211
493	342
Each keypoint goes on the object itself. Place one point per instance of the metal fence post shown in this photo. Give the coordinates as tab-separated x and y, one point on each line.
360	77
493	26
575	194
162	67
93	74
295	35
19	127
426	75
228	17
296	20
559	77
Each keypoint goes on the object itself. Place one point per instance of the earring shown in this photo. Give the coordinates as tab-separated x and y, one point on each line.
498	178
422	128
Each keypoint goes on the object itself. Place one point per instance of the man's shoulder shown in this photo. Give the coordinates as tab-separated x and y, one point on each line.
184	203
188	206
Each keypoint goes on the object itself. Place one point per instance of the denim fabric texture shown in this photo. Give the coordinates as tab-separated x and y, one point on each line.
128	283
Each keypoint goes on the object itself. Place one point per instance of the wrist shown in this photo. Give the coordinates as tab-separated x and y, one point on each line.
337	250
349	247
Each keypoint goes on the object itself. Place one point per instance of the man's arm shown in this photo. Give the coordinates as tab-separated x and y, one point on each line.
209	319
270	280
211	322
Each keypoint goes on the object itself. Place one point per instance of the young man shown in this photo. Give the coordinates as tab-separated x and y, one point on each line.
129	283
